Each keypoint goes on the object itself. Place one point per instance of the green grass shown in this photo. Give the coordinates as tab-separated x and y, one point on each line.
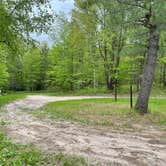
61	159
10	97
16	155
19	155
104	112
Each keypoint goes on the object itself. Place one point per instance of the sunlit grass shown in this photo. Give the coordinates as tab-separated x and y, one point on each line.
105	112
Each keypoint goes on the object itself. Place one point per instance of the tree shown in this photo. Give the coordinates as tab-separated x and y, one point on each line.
3	70
99	19
44	65
149	14
32	69
15	69
20	18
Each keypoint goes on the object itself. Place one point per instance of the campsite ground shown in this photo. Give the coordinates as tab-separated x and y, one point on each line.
95	128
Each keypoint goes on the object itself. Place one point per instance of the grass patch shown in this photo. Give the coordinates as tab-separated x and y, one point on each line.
19	155
16	155
104	112
61	159
10	97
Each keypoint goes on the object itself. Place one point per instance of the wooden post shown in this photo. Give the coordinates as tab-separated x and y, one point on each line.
131	96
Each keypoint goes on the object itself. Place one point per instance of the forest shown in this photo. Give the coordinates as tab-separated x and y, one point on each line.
112	48
102	48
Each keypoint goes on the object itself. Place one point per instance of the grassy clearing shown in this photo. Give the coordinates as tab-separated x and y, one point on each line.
105	112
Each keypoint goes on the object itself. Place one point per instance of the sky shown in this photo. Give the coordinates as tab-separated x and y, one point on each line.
62	6
58	6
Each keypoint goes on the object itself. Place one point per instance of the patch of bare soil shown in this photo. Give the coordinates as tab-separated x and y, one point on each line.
147	147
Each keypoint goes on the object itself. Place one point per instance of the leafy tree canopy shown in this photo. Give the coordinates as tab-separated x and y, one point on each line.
19	18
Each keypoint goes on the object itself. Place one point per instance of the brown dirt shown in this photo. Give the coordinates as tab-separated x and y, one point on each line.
103	144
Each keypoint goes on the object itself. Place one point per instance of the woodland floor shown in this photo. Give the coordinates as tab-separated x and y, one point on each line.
103	144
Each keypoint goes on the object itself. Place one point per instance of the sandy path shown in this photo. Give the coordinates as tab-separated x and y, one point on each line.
147	147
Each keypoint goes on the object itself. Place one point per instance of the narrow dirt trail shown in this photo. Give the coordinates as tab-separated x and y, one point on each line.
147	147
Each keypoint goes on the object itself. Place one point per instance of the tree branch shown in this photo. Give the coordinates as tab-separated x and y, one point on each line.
131	4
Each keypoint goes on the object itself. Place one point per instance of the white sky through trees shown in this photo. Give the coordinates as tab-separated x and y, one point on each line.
58	6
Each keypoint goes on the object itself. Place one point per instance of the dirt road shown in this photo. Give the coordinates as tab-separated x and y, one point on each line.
147	147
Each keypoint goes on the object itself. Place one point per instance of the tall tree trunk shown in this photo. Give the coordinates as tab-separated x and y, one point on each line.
164	76
109	80
146	83
111	83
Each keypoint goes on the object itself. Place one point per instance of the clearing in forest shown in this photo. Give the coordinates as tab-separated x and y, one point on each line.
102	144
